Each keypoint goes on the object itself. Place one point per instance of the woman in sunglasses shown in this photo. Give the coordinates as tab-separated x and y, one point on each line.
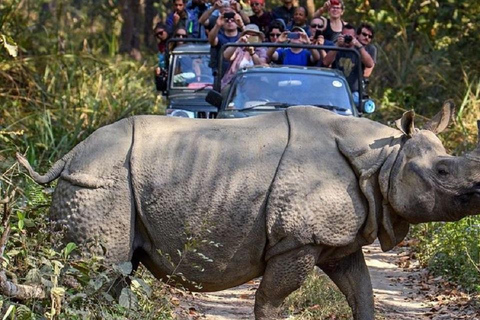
276	29
161	35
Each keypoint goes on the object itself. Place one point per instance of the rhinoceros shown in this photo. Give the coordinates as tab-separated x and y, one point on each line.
220	202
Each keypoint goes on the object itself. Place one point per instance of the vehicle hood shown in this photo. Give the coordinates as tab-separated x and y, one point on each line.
190	101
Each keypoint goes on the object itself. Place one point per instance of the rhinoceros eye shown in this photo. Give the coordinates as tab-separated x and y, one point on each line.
442	172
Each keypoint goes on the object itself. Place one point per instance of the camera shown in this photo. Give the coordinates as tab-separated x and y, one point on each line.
229	15
293	35
348	38
253	39
318	33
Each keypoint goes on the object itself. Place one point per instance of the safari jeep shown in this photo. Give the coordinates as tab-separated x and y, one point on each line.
189	79
262	89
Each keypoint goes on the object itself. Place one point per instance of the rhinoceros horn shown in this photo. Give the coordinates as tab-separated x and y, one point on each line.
441	120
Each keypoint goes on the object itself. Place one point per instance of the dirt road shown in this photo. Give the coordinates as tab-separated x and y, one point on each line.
401	293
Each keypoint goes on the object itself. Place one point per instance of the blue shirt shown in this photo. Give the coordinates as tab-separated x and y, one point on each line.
215	51
287	57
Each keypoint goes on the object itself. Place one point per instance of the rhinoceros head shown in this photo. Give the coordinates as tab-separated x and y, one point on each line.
427	184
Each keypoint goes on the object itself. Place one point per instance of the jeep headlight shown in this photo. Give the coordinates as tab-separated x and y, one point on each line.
180	113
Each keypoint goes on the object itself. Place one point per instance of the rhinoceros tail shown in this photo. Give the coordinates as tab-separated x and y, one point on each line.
51	175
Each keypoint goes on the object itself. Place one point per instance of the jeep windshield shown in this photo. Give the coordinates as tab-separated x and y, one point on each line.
273	91
191	71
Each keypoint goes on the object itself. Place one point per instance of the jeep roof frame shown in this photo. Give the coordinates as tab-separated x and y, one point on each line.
217	83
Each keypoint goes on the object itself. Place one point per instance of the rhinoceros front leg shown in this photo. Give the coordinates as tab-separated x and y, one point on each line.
352	278
284	274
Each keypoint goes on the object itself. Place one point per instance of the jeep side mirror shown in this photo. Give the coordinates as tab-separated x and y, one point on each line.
214	98
368	106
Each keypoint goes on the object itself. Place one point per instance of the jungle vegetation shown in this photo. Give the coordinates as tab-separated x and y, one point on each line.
68	67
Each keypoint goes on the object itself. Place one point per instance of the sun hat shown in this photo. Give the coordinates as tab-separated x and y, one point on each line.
299	29
252	28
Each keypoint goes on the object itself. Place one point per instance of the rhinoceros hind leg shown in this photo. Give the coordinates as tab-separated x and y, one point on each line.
101	219
352	278
284	274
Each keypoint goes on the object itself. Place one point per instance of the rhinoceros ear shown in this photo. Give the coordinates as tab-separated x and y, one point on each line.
441	120
405	124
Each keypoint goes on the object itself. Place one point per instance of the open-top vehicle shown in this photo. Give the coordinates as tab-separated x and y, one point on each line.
189	79
263	89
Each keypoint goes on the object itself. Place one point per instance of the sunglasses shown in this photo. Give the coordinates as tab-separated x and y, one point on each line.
316	26
274	35
366	35
336	8
180	35
229	19
255	4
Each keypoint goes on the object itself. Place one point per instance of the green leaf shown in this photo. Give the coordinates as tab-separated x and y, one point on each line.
9	311
20	215
69	248
9	45
96	283
139	283
125	268
128	299
21	224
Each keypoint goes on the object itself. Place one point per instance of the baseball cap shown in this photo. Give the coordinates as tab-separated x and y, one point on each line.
298	29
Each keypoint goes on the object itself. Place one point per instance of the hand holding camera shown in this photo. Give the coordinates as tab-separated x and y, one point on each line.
293	35
283	37
304	38
218	4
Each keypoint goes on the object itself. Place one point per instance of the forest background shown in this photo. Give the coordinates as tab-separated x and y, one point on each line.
68	67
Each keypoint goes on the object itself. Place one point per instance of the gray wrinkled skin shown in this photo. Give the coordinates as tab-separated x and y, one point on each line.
224	201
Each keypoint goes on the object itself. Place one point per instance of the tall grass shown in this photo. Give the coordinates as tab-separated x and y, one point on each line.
453	249
50	103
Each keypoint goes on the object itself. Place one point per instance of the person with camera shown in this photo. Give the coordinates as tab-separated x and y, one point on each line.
348	62
210	16
226	30
334	24
316	31
161	35
245	57
293	56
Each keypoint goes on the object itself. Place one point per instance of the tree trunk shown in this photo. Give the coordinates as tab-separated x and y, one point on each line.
132	21
150	14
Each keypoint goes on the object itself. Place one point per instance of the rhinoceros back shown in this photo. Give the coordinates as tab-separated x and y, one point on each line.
204	184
